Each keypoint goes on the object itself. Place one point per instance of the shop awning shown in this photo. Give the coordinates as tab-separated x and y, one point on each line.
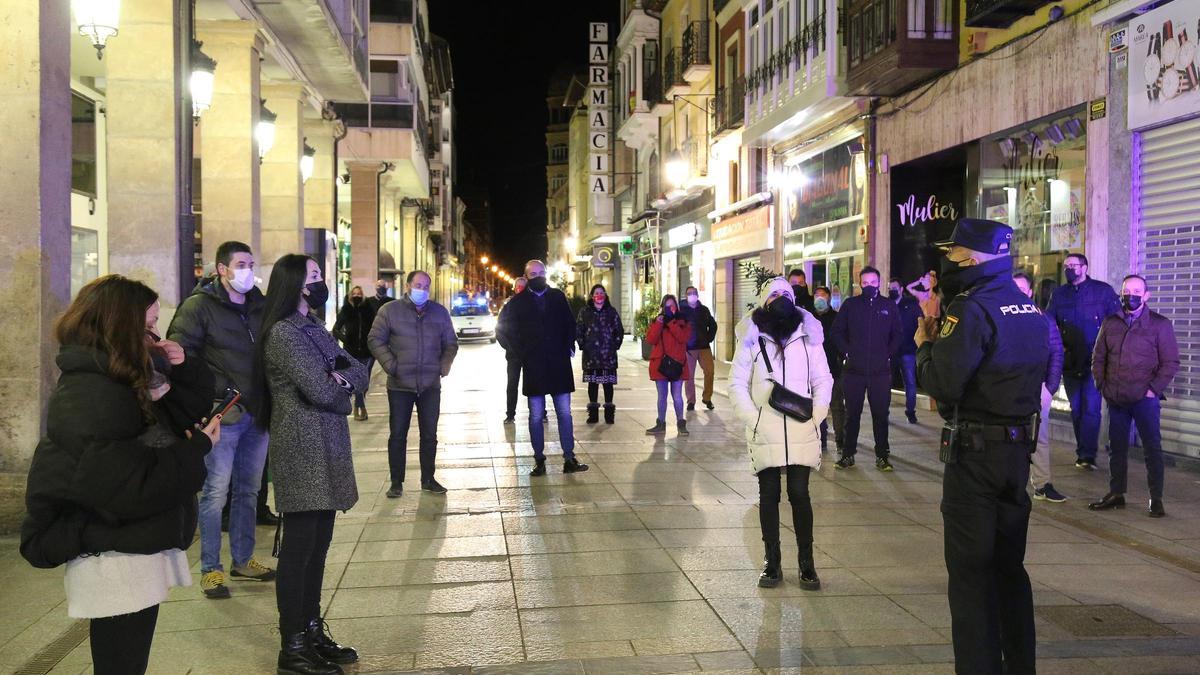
752	202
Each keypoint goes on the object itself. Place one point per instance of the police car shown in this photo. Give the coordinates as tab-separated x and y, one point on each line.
473	318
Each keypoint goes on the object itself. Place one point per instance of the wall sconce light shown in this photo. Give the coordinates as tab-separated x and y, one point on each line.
306	162
201	83
1073	128
344	179
1054	134
264	132
855	147
97	21
676	169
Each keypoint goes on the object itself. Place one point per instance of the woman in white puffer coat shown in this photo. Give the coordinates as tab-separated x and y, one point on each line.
779	445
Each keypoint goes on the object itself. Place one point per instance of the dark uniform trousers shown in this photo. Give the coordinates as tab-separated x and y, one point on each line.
986	514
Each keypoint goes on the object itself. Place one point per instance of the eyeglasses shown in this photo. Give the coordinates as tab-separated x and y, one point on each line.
1074	266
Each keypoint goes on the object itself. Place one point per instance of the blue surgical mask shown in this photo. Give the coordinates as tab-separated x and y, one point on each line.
419	296
821	304
835	301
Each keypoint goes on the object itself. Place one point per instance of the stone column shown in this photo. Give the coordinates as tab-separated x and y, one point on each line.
364	223
282	187
143	148
229	164
320	192
35	209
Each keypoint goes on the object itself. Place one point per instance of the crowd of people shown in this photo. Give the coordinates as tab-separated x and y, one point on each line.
139	425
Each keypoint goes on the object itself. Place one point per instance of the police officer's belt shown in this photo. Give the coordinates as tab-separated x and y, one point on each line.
1016	433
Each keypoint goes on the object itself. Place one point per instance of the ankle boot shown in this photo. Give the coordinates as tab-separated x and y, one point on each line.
610	413
809	580
772	572
660	427
297	657
364	413
593	413
317	633
681	426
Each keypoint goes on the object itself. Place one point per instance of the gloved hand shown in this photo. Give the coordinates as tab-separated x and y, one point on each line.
820	412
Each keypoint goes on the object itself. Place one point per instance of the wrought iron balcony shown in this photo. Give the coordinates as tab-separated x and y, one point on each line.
673	80
729	107
893	45
697	59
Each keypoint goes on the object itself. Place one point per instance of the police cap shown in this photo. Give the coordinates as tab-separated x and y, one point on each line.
985	236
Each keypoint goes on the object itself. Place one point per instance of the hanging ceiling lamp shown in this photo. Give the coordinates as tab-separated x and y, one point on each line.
97	21
306	162
264	132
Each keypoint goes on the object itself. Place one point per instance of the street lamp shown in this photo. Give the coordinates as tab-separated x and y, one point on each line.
677	169
264	133
494	268
201	83
97	21
306	162
483	259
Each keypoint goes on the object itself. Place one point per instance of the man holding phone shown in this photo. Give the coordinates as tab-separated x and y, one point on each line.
220	323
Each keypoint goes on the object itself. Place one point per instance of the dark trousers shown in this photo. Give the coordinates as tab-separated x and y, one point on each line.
429	408
837	416
360	397
985	511
594	392
1145	414
302	551
878	391
1085	414
514	379
121	644
768	503
908	374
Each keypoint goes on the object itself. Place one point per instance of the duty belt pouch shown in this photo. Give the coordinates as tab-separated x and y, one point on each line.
951	442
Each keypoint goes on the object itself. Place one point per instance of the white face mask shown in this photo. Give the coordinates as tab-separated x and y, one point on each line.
243	280
693	300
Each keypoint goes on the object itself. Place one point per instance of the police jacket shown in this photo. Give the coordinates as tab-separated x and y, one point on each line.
704	326
1135	356
208	325
989	359
415	349
867	333
1079	311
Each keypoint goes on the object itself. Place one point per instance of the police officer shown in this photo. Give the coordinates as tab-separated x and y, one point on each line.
984	366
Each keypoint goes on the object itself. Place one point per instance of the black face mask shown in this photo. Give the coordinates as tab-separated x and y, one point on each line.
381	292
799	290
955	279
355	300
1072	275
1131	303
893	294
950	281
668	311
782	307
318	293
869	292
537	284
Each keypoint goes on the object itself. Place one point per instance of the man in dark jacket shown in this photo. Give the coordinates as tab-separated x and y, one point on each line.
906	361
381	295
699	347
798	280
513	358
414	341
826	314
220	323
1135	359
867	334
1039	463
538	324
1079	307
353	323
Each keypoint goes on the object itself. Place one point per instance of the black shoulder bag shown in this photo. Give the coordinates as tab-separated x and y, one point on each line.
784	400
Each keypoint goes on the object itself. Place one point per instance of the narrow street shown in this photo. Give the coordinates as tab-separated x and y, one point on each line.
648	562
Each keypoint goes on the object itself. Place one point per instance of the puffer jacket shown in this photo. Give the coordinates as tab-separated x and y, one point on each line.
1130	360
669	338
415	350
773	439
600	335
353	324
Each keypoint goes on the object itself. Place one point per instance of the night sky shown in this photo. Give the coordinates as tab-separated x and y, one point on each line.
504	54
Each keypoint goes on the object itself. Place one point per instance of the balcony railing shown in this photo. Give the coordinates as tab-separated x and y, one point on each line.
729	106
695	46
894	45
652	88
387	115
804	47
673	70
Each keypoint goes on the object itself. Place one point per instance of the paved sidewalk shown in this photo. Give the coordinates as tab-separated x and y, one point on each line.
648	562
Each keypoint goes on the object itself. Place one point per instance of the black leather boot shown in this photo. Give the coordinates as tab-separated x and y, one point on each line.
318	636
610	413
593	413
809	580
772	572
297	657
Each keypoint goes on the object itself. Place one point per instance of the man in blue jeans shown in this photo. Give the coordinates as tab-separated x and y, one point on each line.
1079	307
220	323
538	325
906	356
414	342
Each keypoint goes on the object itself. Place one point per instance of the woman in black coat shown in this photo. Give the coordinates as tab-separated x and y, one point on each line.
112	488
352	326
600	334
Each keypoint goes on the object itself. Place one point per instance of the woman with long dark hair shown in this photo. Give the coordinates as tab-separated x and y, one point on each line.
783	346
112	488
307	382
352	326
669	333
600	334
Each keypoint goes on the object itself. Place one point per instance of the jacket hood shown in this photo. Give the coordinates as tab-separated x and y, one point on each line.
78	359
212	286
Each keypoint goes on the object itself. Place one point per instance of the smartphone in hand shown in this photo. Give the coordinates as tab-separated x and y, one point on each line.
232	396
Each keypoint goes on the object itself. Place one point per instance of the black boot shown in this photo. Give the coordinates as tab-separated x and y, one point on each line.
809	580
610	413
297	657
593	413
322	644
772	572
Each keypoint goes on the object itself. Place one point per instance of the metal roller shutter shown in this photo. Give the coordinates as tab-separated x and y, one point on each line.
743	291
1167	191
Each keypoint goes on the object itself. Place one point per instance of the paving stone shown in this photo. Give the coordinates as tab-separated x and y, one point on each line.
572	565
623	622
604	590
429	571
409	600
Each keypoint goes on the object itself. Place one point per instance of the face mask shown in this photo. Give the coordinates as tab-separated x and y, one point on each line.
835	301
355	300
668	311
1072	275
893	294
243	280
693	300
318	293
1131	303
782	307
799	290
869	292
598	299
821	304
537	284
419	296
381	291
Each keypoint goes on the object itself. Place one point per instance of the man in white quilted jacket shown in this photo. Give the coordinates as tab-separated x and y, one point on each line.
780	345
